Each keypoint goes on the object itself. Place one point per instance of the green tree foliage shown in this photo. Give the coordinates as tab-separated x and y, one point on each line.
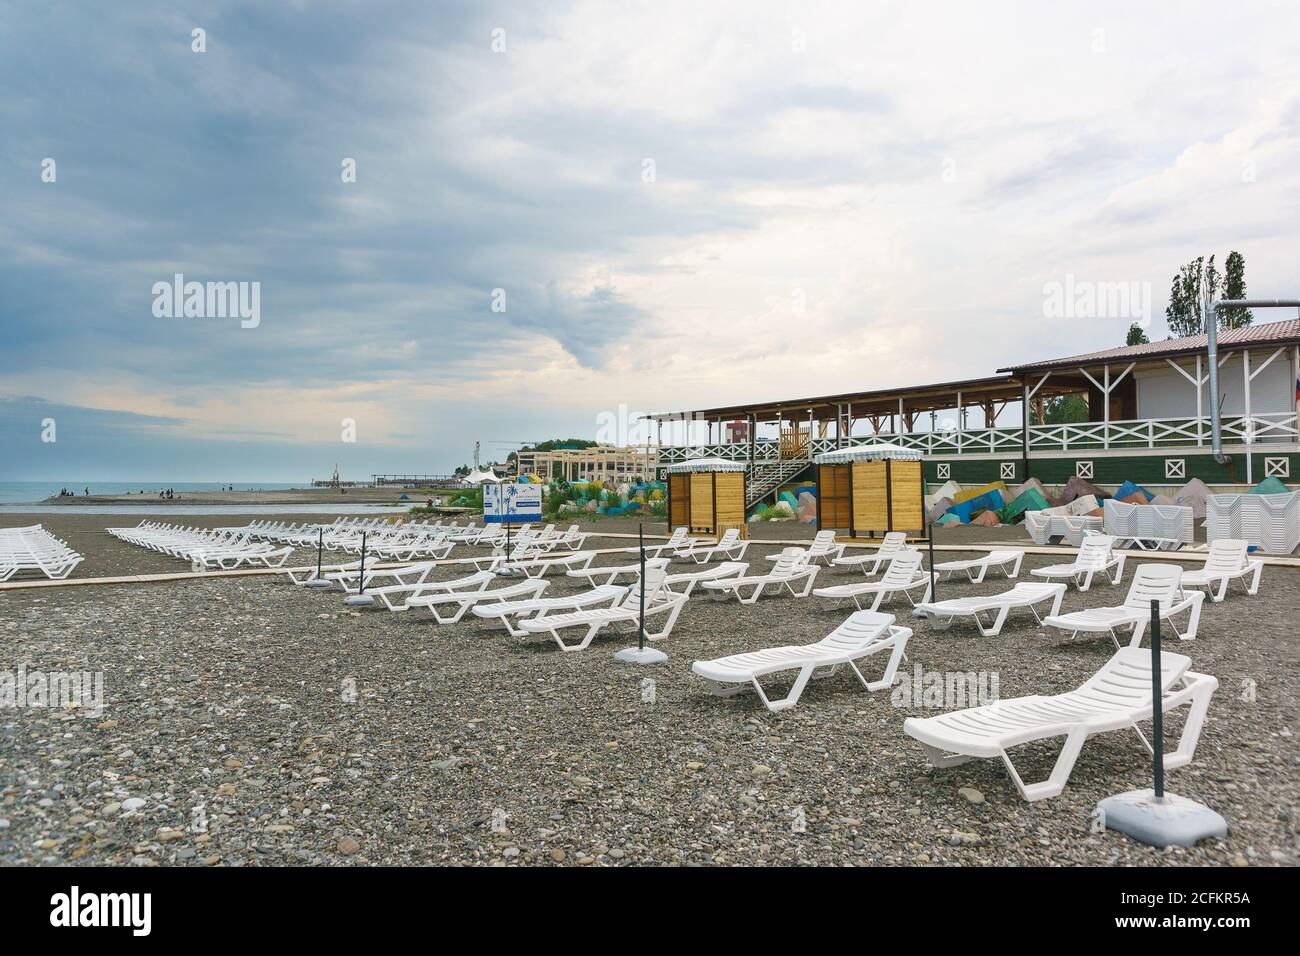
1136	336
1234	287
1065	410
1196	285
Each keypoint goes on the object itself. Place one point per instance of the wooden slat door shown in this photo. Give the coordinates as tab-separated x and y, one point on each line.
679	501
833	496
906	502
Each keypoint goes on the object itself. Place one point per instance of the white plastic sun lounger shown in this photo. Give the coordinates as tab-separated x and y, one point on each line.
788	571
729	546
719	572
539	567
1096	557
904	575
461	601
1008	562
395	597
1151	582
893	544
349	581
864	633
309	572
228	560
1116	698
615	574
1228	561
995	606
677	541
822	548
661	606
508	614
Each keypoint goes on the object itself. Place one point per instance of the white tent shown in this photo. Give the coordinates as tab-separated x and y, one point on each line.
478	477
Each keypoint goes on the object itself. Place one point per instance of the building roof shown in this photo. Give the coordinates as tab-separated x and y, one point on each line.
884	401
868	453
706	464
1286	332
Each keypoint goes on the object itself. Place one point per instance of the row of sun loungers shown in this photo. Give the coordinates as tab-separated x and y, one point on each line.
1117	697
204	548
34	549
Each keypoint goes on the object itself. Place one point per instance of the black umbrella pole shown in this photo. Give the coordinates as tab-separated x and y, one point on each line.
640	538
1157	715
929	540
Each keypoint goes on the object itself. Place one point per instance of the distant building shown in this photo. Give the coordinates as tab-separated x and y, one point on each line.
598	463
1148	419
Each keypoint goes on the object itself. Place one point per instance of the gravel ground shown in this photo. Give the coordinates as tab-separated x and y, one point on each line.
305	733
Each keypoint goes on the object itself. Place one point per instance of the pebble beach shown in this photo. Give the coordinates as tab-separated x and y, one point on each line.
250	722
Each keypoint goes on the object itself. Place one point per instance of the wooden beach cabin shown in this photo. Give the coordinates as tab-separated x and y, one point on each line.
707	494
871	489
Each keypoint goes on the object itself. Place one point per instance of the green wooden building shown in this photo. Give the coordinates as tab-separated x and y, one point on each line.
1148	420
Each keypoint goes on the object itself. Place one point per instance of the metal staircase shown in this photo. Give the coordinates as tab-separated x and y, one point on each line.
763	478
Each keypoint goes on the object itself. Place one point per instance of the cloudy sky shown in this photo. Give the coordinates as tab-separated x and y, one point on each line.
685	204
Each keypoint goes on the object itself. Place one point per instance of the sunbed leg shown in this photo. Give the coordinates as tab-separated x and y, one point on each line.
940	758
891	668
791	698
1061	770
1253	587
1191	734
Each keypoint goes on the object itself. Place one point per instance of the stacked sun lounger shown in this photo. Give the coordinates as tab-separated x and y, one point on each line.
1070	522
34	549
1269	522
1149	527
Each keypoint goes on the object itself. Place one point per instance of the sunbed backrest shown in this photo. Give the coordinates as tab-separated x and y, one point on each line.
862	627
790	561
902	568
1153	582
1094	550
1227	556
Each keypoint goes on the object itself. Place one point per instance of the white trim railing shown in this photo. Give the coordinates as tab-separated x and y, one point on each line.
1153	433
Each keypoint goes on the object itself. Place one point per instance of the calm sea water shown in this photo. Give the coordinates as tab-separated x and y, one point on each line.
26	492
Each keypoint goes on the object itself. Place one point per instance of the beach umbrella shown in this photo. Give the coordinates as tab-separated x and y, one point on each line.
1154	816
641	654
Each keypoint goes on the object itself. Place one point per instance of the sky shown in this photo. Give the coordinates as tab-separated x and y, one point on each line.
567	214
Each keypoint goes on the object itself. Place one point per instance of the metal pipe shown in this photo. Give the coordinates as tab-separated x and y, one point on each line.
1212	349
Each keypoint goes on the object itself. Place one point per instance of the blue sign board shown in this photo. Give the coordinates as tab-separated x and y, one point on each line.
512	503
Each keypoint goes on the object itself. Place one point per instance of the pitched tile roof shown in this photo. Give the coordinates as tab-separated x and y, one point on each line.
1285	332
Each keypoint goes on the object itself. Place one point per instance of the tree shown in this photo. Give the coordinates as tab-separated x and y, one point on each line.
1234	287
1065	410
1136	336
1195	287
1191	294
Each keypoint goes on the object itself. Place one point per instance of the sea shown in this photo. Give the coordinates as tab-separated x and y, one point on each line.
31	492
